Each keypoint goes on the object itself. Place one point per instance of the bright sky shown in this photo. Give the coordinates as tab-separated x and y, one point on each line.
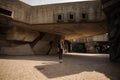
43	2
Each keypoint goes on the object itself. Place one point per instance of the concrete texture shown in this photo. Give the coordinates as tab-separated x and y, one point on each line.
73	30
17	50
22	45
19	10
68	30
38	17
43	45
103	37
26	22
74	67
48	13
22	34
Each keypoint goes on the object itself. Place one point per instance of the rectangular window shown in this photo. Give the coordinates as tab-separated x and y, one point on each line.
71	16
60	17
84	16
5	12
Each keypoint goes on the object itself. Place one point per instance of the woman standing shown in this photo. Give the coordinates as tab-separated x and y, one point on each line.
61	50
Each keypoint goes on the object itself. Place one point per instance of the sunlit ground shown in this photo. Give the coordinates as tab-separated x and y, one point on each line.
76	66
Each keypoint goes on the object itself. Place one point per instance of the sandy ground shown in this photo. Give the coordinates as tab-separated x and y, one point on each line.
75	67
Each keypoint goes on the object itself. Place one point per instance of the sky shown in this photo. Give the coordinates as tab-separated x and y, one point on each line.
44	2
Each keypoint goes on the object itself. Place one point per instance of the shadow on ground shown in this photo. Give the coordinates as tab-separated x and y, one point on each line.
79	64
73	64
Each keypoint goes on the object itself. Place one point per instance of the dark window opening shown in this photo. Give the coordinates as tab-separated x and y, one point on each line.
71	16
59	17
5	12
84	15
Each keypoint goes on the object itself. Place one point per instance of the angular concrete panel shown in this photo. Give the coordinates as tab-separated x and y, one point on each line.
43	45
17	50
22	34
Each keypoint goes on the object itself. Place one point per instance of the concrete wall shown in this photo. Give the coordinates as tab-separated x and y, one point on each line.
48	13
43	45
20	11
103	37
19	50
22	34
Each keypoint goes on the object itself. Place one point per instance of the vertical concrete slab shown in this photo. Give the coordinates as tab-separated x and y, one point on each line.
20	50
43	45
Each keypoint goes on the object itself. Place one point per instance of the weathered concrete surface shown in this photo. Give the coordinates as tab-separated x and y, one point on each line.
38	17
19	10
68	30
75	67
102	37
49	13
17	50
73	30
43	45
22	34
3	43
18	37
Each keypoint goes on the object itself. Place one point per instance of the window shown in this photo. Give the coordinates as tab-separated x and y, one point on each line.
60	17
5	12
71	17
83	16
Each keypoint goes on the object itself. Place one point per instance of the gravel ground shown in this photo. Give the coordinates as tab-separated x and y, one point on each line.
75	66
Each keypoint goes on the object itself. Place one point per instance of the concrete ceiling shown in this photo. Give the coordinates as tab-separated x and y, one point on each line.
73	30
68	30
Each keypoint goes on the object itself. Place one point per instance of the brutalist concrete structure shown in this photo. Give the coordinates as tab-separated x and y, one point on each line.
34	27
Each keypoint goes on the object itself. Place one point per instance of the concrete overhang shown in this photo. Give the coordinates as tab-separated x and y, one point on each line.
68	30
